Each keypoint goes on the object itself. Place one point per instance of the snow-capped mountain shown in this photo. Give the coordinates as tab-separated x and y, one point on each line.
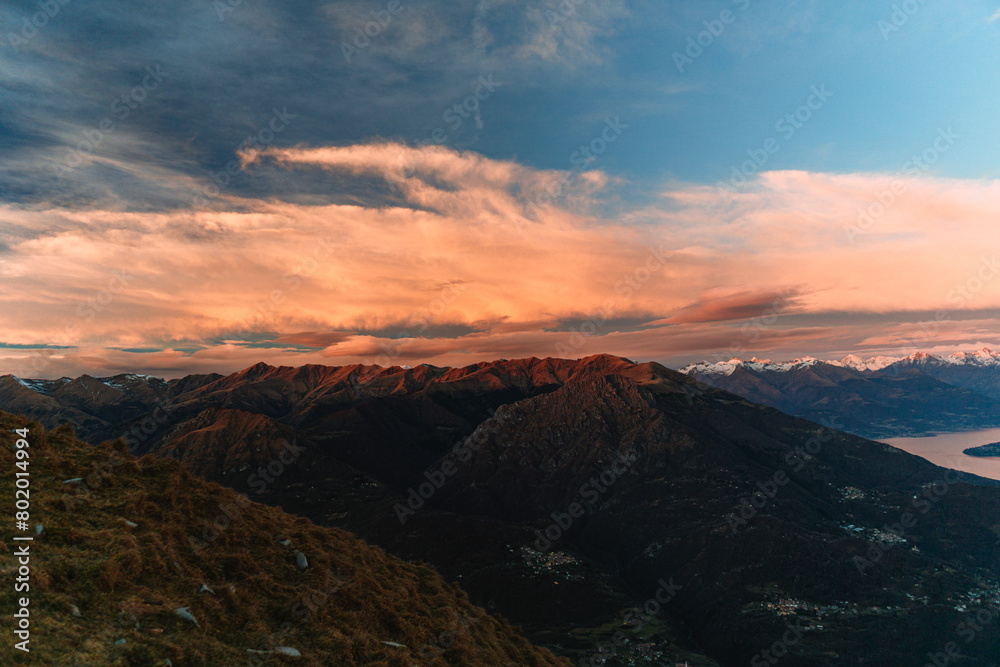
755	364
984	357
124	382
978	371
86	403
40	386
869	364
874	397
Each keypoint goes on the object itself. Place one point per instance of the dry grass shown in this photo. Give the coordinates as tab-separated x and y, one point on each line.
126	581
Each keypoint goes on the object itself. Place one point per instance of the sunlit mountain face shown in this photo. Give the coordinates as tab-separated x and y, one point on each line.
603	310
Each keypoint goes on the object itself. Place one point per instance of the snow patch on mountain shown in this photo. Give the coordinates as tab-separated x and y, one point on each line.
40	386
126	381
755	364
33	385
984	357
869	364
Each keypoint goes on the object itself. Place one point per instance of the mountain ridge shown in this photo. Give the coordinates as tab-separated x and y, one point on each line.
984	357
634	475
880	397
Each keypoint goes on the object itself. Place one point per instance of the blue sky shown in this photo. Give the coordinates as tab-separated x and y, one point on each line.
131	110
892	90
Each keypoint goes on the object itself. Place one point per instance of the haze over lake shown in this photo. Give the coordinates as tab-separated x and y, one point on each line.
945	449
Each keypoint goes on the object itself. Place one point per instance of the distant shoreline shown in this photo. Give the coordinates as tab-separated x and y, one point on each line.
984	451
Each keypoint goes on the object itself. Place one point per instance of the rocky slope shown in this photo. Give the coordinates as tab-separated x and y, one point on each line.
136	562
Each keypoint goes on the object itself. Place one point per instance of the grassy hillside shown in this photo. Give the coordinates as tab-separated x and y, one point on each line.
123	548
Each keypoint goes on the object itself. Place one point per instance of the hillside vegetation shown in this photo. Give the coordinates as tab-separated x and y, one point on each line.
125	543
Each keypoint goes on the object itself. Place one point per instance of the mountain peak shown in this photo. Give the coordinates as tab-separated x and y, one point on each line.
755	364
605	362
259	366
982	356
605	357
257	371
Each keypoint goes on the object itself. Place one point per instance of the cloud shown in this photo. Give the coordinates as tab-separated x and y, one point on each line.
445	180
461	266
723	305
159	149
459	252
995	17
313	339
570	34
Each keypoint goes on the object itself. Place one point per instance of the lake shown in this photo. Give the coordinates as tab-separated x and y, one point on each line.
945	449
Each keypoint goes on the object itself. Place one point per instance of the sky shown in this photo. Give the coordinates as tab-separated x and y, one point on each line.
191	187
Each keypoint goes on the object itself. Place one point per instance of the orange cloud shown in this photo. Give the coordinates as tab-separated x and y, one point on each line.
725	305
463	247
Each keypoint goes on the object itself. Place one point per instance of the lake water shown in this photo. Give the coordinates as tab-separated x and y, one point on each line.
945	449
